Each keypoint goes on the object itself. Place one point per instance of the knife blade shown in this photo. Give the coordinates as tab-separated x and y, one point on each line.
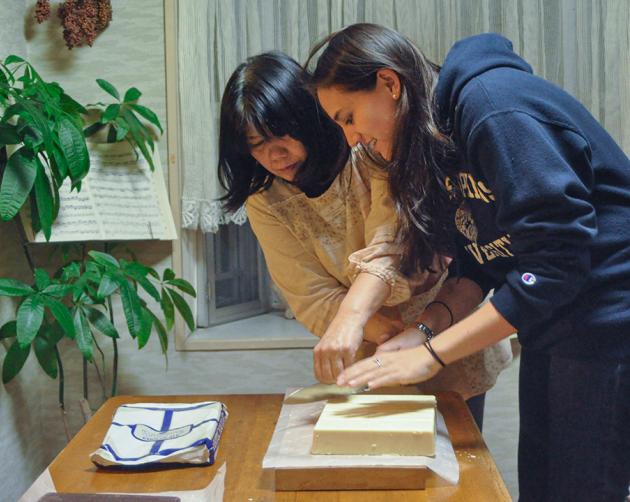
320	392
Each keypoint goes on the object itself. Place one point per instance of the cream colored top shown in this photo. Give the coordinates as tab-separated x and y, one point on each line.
315	248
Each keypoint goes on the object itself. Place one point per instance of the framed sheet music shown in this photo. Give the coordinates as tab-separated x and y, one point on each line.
120	199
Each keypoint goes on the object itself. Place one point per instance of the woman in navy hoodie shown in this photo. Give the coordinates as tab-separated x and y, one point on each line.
513	178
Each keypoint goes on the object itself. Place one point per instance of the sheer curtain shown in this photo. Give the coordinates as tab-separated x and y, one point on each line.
582	45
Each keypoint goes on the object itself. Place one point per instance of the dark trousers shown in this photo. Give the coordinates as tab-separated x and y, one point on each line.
574	442
476	406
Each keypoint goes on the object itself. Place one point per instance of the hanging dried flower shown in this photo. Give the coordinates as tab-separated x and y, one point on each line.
42	10
82	20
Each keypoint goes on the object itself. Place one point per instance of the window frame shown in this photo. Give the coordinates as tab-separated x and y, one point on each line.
187	251
210	315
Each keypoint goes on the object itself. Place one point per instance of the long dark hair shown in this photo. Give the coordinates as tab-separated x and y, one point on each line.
421	154
268	93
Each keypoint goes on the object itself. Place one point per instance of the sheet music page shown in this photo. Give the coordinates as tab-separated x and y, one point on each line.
77	220
130	200
120	199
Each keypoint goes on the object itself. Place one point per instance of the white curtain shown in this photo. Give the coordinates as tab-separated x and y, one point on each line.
582	45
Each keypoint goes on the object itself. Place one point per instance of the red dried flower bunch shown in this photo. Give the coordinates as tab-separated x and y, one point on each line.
82	20
42	10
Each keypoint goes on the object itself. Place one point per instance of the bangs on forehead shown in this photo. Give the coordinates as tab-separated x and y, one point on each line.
268	113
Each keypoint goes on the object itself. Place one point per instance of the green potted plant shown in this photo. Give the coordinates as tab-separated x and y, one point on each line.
76	303
44	127
46	130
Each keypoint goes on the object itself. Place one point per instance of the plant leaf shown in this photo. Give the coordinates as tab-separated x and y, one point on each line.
14	361
161	331
108	88
69	105
31	136
54	333
83	333
15	109
145	328
138	272
71	271
132	94
13	287
149	115
8	135
13	59
93	271
73	146
135	268
78	287
45	353
34	214
184	285
58	290
17	182
168	275
29	319
41	278
140	134
62	314
106	287
183	308
102	323
59	163
111	134
104	259
8	330
122	128
40	121
149	288
168	309
110	113
44	198
93	129
132	307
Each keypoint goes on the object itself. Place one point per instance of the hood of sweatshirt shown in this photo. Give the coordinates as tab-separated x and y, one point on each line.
468	59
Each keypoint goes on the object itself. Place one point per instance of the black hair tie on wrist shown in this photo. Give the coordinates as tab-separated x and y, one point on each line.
448	309
427	344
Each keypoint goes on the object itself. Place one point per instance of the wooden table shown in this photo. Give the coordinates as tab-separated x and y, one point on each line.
245	439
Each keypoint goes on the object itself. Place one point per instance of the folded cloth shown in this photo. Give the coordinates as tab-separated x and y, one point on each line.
157	433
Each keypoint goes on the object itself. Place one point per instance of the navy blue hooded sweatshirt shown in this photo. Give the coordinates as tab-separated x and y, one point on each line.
545	218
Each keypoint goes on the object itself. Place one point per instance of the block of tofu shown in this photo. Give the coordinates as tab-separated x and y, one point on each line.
370	424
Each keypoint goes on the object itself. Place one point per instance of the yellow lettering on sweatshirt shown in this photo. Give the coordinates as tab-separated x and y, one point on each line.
470	187
487	252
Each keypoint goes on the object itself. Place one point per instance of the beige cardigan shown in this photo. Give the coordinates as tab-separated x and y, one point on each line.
315	248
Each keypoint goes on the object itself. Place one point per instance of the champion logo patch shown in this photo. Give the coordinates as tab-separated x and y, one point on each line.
528	278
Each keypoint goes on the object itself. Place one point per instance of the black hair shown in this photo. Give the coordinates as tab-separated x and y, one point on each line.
422	156
268	93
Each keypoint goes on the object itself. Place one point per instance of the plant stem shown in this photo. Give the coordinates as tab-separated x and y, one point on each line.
103	377
62	406
115	369
111	319
27	252
85	379
115	363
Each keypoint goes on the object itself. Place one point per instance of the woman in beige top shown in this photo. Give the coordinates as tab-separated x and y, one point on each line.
327	225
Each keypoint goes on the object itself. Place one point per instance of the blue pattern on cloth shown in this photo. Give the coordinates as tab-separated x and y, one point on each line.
150	433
